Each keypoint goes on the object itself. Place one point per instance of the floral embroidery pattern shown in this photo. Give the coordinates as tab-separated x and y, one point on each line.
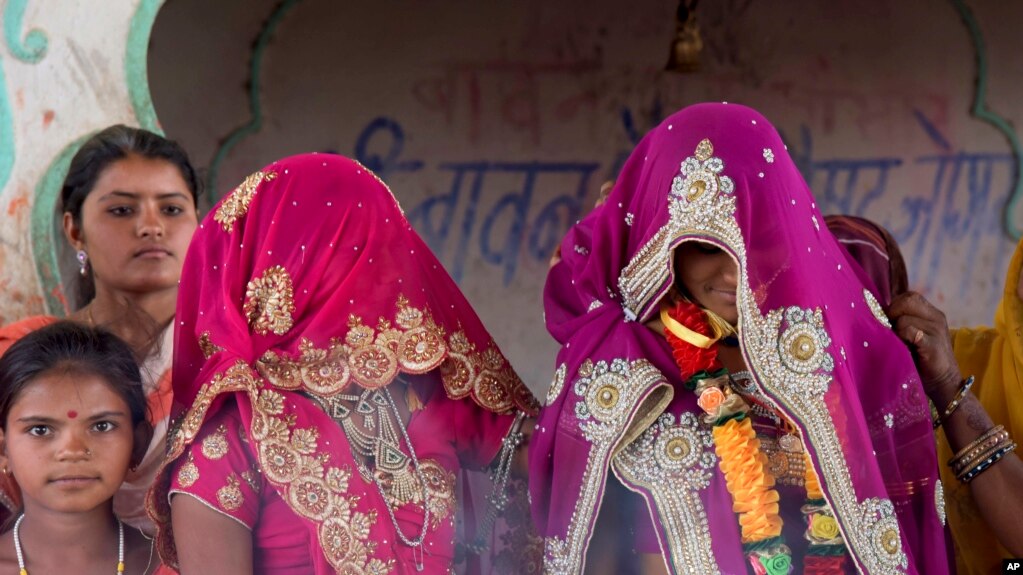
270	301
230	496
441	484
291	460
188	473
214	445
236	205
207	346
372	357
800	376
289	457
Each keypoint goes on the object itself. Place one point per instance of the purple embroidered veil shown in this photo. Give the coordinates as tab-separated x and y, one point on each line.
815	340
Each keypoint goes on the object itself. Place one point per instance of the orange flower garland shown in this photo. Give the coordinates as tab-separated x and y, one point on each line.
750	483
743	463
813	485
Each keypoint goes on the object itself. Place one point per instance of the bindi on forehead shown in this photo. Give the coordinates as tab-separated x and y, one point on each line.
72	414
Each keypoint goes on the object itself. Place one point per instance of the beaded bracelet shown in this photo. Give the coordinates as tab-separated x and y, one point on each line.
993	430
981	455
954	404
985	442
983	465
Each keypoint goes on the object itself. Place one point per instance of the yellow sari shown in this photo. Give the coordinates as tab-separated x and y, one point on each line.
995	357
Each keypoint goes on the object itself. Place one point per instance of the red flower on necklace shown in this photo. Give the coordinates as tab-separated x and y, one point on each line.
692	359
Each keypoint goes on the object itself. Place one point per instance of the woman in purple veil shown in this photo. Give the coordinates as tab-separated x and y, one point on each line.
721	359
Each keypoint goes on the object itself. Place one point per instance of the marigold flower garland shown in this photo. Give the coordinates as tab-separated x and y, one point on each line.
744	464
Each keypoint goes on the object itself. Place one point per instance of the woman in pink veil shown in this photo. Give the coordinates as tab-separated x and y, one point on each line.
330	381
721	359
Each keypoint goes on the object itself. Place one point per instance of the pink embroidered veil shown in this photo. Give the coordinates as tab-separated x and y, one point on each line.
306	280
814	338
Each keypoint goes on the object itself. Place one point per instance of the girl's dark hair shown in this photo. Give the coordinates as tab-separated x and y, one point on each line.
101	150
71	346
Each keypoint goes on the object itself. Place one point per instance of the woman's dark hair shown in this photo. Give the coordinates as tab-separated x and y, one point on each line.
72	347
105	148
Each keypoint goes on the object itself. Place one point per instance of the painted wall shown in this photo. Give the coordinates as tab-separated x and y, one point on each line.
495	123
66	71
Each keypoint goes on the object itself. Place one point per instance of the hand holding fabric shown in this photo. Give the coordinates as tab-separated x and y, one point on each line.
925	330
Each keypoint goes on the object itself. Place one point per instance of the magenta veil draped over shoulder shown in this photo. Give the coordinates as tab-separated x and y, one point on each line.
305	283
817	344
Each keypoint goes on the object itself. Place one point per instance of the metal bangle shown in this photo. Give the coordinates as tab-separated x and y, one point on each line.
977	450
954	404
987	463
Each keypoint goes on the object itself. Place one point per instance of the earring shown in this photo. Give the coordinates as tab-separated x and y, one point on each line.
83	262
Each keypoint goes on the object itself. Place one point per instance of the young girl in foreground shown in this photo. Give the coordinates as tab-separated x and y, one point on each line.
73	421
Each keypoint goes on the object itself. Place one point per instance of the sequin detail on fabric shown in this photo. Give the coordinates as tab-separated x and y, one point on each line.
188	473
230	496
876	309
701	198
214	445
608	397
207	346
236	205
292	460
412	343
270	301
788	349
557	385
671	463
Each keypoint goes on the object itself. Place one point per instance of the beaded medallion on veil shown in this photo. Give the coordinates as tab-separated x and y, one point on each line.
818	349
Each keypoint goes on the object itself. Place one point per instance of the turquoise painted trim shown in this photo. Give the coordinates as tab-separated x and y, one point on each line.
255	122
7	153
33	49
136	70
981	111
45	231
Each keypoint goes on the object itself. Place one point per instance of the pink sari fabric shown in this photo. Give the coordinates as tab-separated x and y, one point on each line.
308	280
814	339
